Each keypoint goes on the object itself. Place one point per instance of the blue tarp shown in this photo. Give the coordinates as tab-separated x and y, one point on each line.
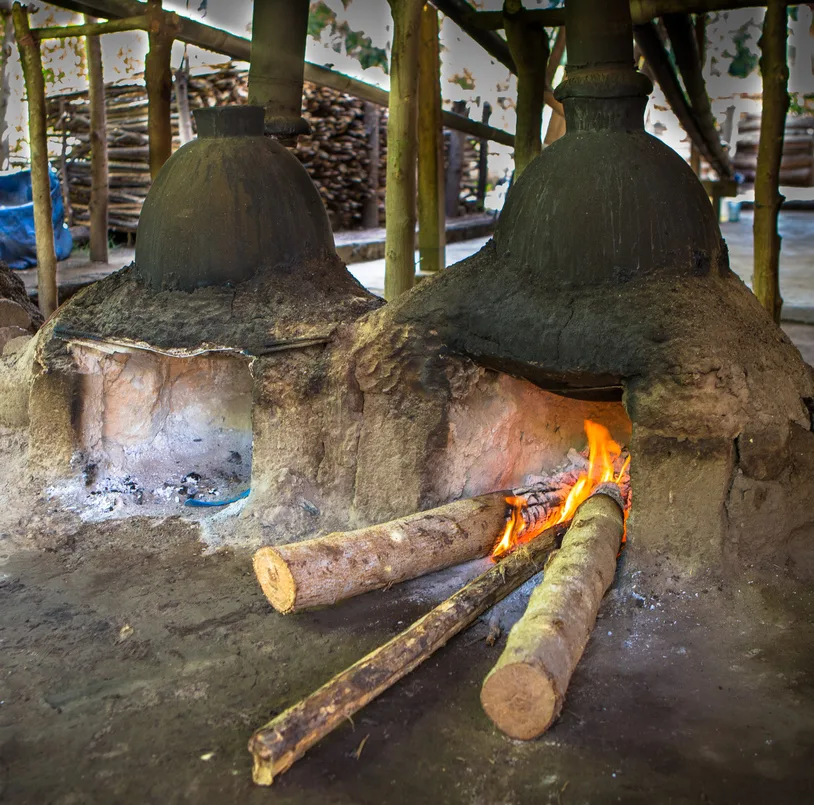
18	244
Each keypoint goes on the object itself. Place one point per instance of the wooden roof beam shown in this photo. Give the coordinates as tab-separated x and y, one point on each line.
641	11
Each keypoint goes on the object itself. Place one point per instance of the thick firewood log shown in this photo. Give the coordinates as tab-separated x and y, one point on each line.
286	738
524	693
341	565
344	564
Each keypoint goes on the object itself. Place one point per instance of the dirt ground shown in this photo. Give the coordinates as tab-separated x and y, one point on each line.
135	667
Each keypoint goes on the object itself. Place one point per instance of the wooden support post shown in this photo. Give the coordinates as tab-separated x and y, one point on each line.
524	692
700	29
286	738
63	163
455	165
400	201
775	71
556	125
370	212
529	48
5	88
31	60
483	158
158	77
185	133
431	224
99	190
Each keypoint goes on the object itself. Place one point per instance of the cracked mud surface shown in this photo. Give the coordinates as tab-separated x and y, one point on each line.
135	668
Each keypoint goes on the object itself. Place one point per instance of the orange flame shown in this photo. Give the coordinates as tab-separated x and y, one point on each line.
603	452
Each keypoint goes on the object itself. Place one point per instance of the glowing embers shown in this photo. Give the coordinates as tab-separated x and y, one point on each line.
529	517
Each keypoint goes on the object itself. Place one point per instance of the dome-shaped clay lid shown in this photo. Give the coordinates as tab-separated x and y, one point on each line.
227	205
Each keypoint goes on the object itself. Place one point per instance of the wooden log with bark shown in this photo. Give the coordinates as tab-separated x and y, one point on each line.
286	738
524	693
324	570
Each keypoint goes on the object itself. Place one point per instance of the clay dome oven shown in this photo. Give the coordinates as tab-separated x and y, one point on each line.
227	205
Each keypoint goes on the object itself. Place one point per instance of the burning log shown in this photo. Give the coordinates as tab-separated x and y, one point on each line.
524	692
286	738
328	569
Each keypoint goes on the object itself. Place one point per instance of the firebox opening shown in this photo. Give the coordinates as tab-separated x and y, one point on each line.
507	432
154	429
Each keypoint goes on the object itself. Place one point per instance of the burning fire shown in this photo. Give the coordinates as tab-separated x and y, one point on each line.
603	453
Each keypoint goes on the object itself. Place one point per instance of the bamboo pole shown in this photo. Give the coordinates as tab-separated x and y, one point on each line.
92	27
431	224
181	84
529	48
31	60
158	78
689	59
775	71
641	11
99	188
400	183
483	158
370	213
556	125
236	47
280	743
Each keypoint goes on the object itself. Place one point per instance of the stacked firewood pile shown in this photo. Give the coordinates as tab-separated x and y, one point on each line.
336	154
797	167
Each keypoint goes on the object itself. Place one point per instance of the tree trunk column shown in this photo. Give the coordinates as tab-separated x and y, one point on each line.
99	190
774	67
279	30
431	224
158	77
400	197
31	60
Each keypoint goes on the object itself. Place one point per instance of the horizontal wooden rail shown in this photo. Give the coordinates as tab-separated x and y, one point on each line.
141	23
640	10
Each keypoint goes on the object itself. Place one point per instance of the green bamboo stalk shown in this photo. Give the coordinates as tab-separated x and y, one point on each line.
775	71
31	60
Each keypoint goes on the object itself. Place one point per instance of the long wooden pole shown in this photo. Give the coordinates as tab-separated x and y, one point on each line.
431	224
370	212
529	48
689	59
31	60
400	187
641	11
99	183
775	71
158	78
286	738
92	27
237	47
